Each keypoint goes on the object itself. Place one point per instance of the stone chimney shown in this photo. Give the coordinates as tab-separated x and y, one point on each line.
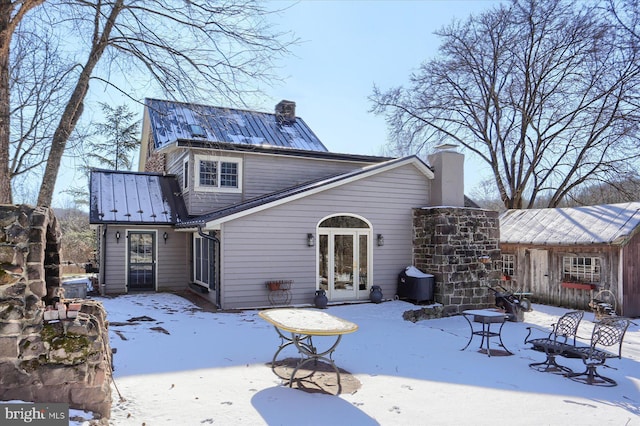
286	112
447	188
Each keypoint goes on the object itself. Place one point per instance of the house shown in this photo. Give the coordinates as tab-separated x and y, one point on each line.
250	209
567	256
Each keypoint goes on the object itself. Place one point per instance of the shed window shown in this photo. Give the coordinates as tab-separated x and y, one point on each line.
508	264
581	269
215	174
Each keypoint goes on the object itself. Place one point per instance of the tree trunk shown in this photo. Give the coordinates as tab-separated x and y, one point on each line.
74	107
5	138
11	13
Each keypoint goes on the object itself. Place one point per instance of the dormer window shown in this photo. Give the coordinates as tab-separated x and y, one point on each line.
218	174
197	131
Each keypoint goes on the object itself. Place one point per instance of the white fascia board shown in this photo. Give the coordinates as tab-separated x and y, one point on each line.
375	169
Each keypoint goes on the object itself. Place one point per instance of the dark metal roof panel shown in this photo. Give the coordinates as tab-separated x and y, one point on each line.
171	121
137	198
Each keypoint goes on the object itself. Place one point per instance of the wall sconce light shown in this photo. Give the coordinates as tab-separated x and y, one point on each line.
380	240
117	236
165	236
311	240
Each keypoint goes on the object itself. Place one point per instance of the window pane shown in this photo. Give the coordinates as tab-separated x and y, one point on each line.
581	269
324	262
508	264
208	173
229	175
363	258
185	175
198	260
344	222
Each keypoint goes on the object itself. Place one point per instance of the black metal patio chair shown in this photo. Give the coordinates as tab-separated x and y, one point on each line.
562	335
607	333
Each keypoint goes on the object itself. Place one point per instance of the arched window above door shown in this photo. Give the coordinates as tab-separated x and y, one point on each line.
344	222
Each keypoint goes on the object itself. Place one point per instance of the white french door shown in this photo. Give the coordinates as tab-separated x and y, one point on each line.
344	266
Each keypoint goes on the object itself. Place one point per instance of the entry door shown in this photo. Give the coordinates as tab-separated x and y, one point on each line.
142	261
539	271
344	264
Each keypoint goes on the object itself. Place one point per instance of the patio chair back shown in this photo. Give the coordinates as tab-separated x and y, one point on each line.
608	332
567	325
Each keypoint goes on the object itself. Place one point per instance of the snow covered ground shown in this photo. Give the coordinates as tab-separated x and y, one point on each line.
185	366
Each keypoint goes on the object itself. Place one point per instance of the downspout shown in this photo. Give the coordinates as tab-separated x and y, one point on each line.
217	275
103	256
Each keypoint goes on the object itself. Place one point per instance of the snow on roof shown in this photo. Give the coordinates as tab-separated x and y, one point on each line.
602	224
128	197
173	121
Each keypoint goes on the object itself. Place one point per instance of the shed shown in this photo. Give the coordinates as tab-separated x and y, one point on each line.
566	256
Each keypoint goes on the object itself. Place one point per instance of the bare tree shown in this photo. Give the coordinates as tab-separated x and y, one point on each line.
541	90
190	49
11	14
627	15
39	90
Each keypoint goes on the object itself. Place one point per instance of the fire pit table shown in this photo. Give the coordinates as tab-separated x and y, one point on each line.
303	324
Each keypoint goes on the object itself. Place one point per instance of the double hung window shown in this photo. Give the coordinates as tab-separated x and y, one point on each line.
218	174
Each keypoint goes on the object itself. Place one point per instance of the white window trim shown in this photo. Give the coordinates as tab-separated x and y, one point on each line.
197	239
207	188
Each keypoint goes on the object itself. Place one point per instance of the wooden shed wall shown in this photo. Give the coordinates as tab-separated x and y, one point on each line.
631	278
539	270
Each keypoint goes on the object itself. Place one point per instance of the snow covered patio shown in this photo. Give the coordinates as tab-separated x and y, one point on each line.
178	364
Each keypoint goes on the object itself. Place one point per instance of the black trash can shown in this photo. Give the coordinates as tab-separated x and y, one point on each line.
415	285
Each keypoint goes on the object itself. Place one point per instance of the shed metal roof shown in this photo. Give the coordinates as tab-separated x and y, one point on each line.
175	121
136	198
601	224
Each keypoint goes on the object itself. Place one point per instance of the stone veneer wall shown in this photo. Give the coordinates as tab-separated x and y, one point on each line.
67	360
460	247
155	163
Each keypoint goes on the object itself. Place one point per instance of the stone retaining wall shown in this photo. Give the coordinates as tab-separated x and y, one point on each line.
65	360
460	247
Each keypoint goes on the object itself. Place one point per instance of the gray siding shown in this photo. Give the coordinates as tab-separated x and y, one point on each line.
172	271
262	174
115	252
272	244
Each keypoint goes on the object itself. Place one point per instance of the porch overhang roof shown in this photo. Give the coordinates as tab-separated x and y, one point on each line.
119	197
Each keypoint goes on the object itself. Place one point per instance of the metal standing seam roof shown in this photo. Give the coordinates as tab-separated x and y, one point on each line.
172	121
136	198
601	224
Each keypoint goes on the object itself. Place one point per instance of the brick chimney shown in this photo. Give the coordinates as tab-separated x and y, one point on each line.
286	112
447	188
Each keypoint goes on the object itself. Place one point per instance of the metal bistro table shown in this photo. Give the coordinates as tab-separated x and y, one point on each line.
303	324
486	317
